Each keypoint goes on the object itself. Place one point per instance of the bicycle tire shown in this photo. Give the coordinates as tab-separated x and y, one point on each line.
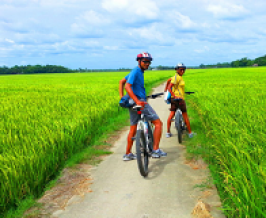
178	120
150	134
142	155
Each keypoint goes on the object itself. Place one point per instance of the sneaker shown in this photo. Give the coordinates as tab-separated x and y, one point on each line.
158	153
191	135
155	155
129	156
168	135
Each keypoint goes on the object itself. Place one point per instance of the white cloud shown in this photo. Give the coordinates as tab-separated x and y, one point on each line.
111	47
10	41
227	10
36	38
182	20
86	31
92	17
152	35
90	24
115	5
146	9
60	3
204	49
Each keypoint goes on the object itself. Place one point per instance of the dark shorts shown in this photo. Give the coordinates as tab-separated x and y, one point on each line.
178	104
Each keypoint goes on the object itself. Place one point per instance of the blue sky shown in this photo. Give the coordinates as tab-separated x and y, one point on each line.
110	33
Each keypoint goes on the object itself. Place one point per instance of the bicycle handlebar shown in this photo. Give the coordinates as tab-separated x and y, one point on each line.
161	93
138	107
155	95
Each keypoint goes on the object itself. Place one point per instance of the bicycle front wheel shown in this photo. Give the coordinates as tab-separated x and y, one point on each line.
142	155
178	123
150	134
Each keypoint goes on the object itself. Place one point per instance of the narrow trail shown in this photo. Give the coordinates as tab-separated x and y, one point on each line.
119	191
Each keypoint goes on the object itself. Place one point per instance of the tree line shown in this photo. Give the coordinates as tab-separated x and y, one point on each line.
102	70
30	69
243	62
33	69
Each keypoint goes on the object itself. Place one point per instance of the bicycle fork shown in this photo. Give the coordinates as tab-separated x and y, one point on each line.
143	125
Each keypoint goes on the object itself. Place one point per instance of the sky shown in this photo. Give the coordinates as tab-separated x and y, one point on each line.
108	34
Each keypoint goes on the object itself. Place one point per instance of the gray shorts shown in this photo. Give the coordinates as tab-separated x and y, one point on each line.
148	111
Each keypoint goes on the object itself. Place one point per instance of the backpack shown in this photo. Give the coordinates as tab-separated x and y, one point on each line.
126	101
167	97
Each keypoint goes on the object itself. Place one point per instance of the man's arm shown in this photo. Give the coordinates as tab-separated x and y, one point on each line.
133	96
170	90
167	83
122	83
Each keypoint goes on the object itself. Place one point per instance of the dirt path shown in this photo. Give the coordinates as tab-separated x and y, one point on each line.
115	189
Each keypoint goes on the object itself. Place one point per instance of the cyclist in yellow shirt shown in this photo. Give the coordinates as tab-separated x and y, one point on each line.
176	86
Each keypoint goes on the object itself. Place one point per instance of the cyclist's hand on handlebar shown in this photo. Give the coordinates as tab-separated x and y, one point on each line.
141	103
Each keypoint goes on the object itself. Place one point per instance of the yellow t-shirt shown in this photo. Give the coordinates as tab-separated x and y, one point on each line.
179	86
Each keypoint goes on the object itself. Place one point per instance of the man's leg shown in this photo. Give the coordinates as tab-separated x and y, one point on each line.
187	121
183	107
173	108
157	133
169	121
132	133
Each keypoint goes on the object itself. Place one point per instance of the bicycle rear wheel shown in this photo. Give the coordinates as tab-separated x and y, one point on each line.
178	123
142	155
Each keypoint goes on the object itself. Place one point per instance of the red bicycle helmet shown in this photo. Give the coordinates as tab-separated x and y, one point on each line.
144	55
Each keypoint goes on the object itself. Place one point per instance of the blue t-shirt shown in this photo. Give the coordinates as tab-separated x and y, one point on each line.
136	79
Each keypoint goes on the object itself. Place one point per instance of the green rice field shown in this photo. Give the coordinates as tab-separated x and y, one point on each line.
231	105
47	118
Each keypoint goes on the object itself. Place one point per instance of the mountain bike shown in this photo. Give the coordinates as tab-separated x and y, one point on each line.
144	139
180	124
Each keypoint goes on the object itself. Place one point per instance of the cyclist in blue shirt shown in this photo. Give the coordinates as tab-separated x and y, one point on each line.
134	85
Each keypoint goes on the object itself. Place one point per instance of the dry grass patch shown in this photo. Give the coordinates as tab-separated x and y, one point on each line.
201	210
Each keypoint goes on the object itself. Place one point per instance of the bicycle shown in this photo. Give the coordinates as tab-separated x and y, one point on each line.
144	139
180	124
